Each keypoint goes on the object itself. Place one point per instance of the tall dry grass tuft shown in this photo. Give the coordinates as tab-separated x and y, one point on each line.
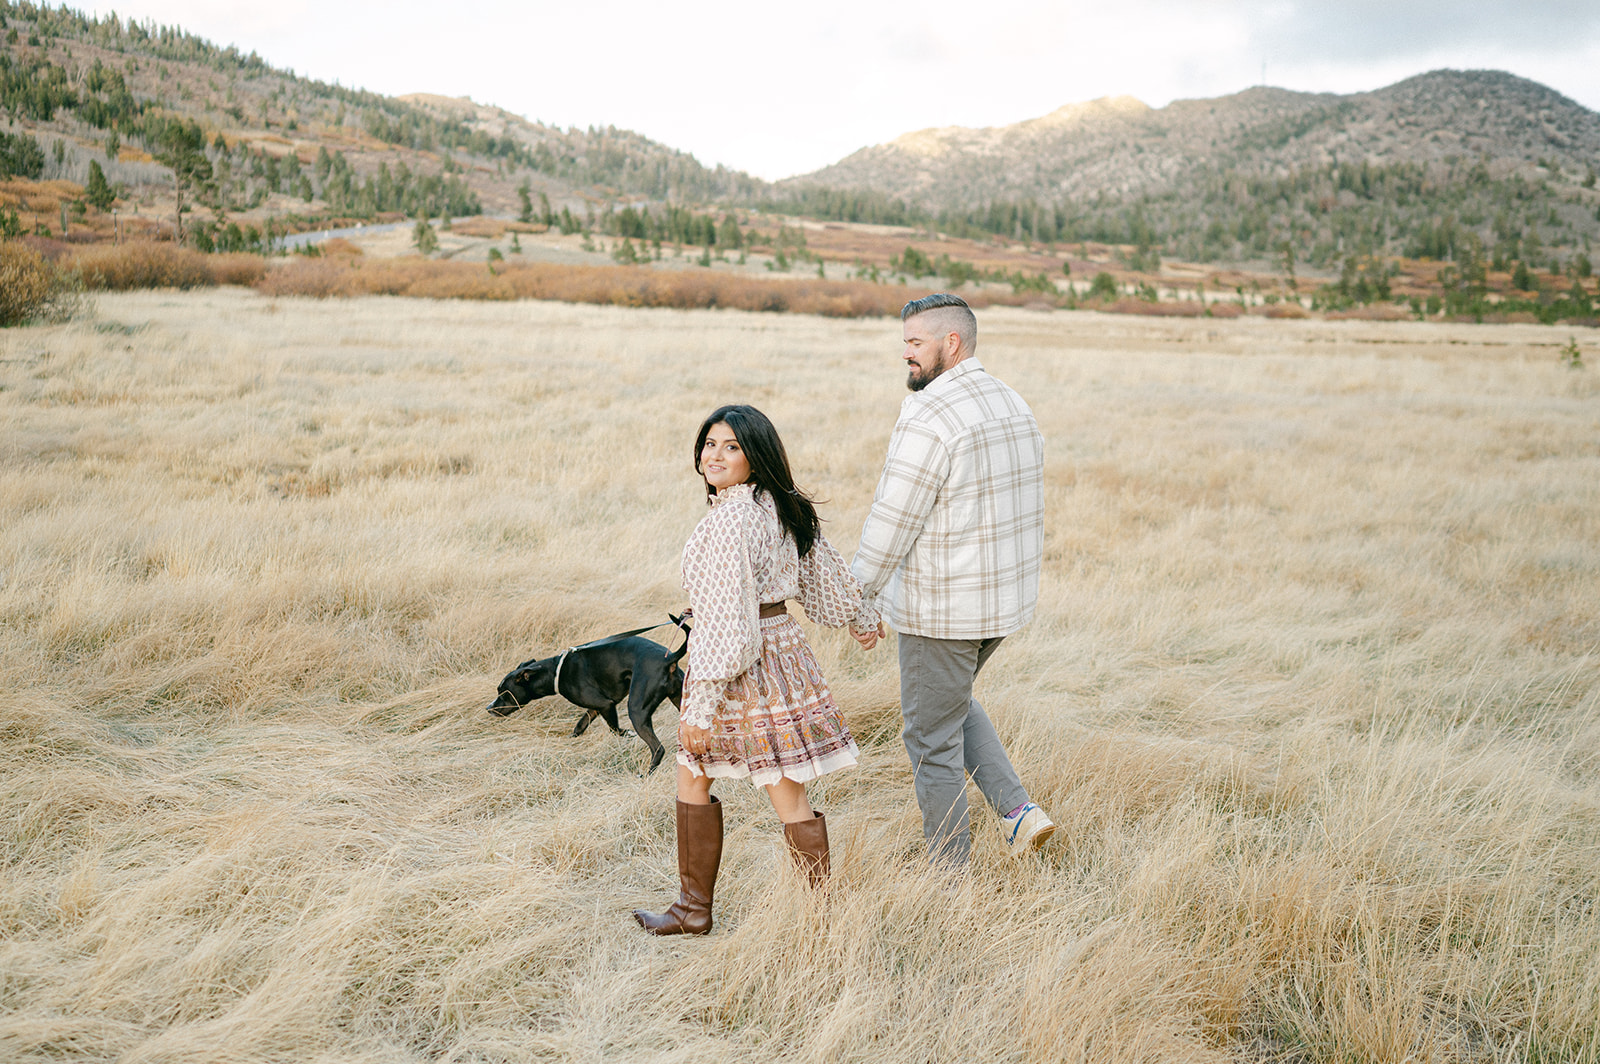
1313	692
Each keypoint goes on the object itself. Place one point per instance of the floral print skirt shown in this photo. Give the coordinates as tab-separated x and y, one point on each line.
777	718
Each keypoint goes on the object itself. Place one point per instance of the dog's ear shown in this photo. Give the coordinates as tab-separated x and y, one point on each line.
523	674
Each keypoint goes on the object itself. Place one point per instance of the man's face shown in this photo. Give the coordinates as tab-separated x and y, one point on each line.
927	353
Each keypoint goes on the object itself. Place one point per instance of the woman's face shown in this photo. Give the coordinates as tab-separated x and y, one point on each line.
722	460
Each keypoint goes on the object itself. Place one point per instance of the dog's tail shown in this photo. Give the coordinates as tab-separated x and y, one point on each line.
682	621
675	674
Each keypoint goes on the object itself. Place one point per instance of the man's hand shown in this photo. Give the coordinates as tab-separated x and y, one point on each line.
870	637
694	740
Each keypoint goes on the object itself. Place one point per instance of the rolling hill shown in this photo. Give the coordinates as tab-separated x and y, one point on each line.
1480	169
1421	167
77	89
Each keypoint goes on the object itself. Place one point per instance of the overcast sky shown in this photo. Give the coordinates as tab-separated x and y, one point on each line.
784	89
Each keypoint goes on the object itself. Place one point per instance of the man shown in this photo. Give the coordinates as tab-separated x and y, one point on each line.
951	550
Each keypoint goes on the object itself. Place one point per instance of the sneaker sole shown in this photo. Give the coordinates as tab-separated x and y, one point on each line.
1040	837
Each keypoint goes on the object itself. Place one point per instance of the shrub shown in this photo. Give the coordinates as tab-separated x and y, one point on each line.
1572	354
338	245
241	268
144	264
1184	309
141	264
27	283
1374	312
1104	286
318	278
627	286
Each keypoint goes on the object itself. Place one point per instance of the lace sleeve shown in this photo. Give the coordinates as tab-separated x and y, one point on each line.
829	591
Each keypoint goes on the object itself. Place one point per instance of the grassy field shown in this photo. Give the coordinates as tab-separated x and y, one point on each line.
1312	692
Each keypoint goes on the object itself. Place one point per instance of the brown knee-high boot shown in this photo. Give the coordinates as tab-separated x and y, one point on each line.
699	854
808	842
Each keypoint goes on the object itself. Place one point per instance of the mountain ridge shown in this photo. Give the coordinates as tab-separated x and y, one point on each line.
1450	163
115	88
1263	129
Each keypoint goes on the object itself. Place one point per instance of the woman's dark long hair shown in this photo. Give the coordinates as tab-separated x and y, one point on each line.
769	470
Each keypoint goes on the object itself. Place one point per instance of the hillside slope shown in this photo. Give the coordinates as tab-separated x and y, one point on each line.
1420	166
1121	146
126	96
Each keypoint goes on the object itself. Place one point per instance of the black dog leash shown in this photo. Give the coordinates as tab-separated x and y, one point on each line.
678	621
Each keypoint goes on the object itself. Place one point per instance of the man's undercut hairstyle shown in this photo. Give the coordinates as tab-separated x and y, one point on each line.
951	313
769	470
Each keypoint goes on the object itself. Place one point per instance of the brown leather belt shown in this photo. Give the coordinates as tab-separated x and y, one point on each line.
774	609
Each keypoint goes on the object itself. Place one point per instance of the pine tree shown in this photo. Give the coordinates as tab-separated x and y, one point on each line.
1522	277
424	237
97	191
183	150
525	194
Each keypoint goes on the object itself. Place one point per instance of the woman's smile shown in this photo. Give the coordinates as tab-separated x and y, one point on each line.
722	460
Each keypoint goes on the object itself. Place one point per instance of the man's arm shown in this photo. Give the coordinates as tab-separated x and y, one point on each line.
913	474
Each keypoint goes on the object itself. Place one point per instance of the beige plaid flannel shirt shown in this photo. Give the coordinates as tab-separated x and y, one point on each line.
952	546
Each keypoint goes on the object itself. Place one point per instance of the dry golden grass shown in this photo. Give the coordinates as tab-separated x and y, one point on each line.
1312	692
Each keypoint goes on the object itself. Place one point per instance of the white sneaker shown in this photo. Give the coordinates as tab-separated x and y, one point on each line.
1028	830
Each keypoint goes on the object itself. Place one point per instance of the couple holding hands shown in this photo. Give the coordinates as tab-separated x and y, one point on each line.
950	551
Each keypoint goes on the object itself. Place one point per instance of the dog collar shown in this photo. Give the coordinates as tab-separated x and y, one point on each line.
560	662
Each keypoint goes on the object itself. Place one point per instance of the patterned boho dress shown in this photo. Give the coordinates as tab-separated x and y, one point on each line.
753	682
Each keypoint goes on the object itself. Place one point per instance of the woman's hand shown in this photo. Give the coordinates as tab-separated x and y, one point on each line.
694	740
869	638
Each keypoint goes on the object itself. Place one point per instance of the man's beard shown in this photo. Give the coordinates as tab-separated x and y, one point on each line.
916	381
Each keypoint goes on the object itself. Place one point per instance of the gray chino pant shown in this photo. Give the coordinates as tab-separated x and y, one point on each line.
948	737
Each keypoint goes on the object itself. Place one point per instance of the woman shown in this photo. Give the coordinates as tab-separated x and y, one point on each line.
755	703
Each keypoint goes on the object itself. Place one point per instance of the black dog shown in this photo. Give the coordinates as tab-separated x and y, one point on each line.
598	676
